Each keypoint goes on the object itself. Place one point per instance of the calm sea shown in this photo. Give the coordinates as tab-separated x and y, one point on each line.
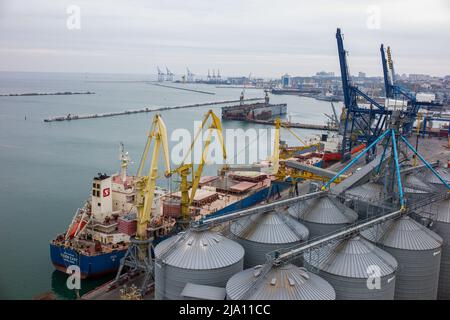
46	168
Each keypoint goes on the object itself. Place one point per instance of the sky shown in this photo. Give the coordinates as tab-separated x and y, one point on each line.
239	37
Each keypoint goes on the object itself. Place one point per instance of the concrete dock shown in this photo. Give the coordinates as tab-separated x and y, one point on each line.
143	110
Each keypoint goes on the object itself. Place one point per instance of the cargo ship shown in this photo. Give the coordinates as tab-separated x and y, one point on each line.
99	233
253	111
332	147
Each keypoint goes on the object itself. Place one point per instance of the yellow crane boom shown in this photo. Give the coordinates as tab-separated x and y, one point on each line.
146	184
186	168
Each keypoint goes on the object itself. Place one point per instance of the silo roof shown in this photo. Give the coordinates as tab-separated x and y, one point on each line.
199	250
403	233
367	190
444	173
351	258
285	282
324	210
270	227
413	184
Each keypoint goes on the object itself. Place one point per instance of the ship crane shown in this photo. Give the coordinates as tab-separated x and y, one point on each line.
284	168
138	256
185	169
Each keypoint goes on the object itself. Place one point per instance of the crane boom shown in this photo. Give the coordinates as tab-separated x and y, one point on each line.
146	184
186	168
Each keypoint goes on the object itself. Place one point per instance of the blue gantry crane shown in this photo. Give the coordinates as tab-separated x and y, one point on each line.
395	91
361	123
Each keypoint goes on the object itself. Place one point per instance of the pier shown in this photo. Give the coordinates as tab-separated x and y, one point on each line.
70	117
185	89
295	125
33	94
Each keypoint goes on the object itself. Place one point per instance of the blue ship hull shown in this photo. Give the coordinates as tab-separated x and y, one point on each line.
253	199
90	266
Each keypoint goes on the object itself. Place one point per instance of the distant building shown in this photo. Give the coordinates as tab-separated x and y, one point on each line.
361	74
324	74
419	77
237	80
286	81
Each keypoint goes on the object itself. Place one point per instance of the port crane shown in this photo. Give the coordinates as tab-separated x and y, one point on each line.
138	256
284	168
359	123
393	90
160	75
169	75
189	76
189	189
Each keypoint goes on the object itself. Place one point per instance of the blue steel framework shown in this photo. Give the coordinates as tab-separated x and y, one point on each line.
360	124
396	91
389	134
365	124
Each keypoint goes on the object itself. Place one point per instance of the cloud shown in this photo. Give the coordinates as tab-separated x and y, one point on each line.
266	38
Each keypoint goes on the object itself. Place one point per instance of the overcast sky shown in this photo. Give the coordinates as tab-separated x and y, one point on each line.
265	38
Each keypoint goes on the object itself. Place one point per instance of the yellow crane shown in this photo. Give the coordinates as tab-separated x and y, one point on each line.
285	152
281	165
146	185
185	169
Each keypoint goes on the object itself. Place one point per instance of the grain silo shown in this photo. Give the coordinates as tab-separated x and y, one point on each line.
356	268
415	188
441	225
322	215
430	177
265	232
418	253
367	199
283	282
196	257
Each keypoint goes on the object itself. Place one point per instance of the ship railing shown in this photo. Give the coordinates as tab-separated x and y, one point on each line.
77	214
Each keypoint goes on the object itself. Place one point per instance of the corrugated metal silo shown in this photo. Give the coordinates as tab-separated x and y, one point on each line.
418	253
284	282
415	188
322	215
367	198
266	232
198	257
429	176
441	225
350	265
